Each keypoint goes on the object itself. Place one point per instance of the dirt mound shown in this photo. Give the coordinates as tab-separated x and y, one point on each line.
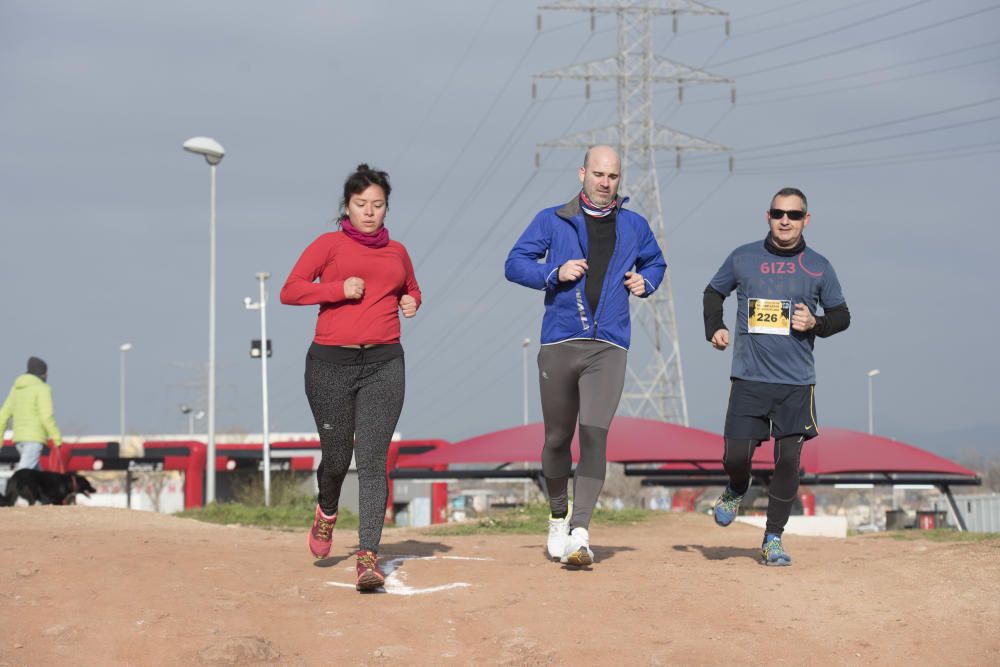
118	587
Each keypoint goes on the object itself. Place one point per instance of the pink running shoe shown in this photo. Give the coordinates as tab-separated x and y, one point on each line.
321	534
370	576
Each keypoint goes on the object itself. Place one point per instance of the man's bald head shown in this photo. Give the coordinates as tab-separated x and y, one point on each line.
601	174
601	151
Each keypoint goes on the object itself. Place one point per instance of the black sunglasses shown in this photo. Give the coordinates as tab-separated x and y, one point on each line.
778	214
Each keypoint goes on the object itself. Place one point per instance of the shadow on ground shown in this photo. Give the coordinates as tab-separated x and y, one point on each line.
600	552
720	553
405	548
413	548
330	561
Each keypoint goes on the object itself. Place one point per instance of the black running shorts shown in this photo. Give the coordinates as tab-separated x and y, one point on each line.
764	410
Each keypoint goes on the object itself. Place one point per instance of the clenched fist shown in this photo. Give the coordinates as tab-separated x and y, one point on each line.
572	270
354	288
720	339
635	283
408	305
802	318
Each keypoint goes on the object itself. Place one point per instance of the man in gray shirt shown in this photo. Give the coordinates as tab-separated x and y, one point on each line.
779	283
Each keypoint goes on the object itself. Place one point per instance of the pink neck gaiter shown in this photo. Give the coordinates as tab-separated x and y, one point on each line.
379	239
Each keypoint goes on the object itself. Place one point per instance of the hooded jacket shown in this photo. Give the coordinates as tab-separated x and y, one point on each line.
30	404
559	234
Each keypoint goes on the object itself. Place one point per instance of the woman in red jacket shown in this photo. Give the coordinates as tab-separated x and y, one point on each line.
354	368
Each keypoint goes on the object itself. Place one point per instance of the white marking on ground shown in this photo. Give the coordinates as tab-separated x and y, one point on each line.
395	579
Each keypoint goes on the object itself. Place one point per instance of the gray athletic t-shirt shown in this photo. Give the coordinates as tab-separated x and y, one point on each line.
766	348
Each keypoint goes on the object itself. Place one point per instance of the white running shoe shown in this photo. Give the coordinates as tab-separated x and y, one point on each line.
577	550
558	534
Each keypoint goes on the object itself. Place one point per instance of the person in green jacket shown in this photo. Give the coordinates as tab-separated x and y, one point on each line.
30	404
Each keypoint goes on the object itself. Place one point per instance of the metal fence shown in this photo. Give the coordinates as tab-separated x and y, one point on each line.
981	513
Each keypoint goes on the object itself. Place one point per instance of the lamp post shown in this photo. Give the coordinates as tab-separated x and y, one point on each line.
871	417
871	431
191	415
122	349
524	366
524	393
264	350
213	153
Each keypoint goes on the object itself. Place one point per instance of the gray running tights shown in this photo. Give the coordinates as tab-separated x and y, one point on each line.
579	379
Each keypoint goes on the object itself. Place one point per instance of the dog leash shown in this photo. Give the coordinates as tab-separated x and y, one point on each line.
72	480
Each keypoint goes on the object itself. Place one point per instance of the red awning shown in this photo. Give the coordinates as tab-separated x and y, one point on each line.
635	440
630	440
841	451
838	450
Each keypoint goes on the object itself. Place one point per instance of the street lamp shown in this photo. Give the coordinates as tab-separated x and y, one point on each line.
871	418
264	351
524	393
524	366
122	349
213	153
191	415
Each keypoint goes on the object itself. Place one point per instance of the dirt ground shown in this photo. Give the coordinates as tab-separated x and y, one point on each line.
97	586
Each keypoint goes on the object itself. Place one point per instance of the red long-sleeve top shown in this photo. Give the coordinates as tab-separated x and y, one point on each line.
372	319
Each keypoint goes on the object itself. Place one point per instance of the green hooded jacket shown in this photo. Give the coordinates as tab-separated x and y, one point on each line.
30	404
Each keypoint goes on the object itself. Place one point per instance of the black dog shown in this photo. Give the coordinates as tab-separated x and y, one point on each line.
47	488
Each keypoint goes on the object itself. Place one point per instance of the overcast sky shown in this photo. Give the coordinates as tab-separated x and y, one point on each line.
885	112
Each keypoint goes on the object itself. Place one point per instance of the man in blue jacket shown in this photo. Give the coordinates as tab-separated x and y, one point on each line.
588	256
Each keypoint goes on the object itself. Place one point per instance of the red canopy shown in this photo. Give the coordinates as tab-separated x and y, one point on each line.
839	451
634	440
630	440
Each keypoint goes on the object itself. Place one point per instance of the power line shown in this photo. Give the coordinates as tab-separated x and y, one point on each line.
804	19
489	111
491	167
496	224
830	79
803	40
690	214
880	139
828	135
500	280
863	45
485	349
471	196
882	162
977	147
862	161
492	228
753	16
458	65
794	85
455	330
883	82
483	241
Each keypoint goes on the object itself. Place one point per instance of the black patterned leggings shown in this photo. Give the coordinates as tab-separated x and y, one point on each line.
784	486
356	409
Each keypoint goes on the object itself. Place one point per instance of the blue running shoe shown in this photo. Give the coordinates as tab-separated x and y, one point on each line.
727	506
772	552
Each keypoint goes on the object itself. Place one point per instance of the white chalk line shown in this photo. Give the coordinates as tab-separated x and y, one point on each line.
395	583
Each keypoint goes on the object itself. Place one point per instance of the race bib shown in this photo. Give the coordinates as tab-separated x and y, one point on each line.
769	316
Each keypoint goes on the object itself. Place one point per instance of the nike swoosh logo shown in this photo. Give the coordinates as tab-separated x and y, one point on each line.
808	427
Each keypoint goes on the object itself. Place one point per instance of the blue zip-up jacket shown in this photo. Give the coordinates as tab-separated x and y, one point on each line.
559	234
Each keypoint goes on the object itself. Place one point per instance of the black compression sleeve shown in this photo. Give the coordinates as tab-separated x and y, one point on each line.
711	305
833	320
